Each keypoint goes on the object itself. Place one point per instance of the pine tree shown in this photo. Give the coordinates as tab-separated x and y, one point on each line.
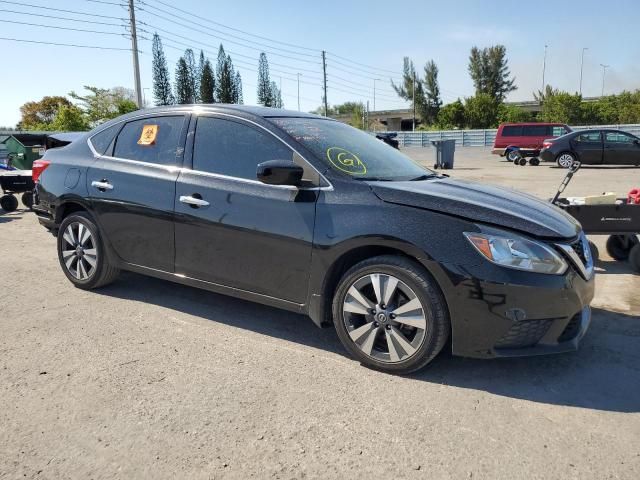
489	70
432	100
207	83
161	81
238	89
199	70
224	78
276	96
192	71
265	95
409	82
183	84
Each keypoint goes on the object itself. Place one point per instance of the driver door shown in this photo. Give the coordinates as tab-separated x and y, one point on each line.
621	149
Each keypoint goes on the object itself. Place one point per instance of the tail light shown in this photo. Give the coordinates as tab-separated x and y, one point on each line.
38	167
547	144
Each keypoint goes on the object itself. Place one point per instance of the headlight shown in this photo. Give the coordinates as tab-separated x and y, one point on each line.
513	251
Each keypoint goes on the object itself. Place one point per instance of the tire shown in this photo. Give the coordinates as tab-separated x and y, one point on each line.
619	246
27	199
412	346
634	258
522	162
85	263
565	159
595	253
9	203
535	161
513	155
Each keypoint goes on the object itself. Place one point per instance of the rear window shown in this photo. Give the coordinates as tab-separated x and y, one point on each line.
591	137
150	140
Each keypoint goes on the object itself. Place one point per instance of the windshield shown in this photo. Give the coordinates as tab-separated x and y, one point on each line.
352	152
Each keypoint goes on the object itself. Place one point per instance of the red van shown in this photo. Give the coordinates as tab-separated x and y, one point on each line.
525	138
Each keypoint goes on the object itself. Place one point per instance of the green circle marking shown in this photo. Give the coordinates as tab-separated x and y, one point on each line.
346	161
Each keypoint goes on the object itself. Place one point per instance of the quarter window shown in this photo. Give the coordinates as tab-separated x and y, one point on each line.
151	140
233	149
101	141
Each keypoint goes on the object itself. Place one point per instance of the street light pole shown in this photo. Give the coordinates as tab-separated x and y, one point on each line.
298	91
134	51
374	93
604	71
413	129
581	67
544	67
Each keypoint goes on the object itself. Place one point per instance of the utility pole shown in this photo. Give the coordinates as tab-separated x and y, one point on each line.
367	122
604	71
324	75
544	67
374	93
298	92
581	67
413	129
134	51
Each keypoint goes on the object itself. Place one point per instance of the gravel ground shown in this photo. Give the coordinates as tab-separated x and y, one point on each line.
149	379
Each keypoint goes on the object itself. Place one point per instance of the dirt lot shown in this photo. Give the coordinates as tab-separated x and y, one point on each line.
146	379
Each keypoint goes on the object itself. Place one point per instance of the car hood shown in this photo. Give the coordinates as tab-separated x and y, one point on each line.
482	203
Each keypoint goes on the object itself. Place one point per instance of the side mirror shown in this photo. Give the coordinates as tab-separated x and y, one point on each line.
280	172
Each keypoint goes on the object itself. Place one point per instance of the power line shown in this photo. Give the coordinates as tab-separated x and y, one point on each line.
224	37
42	15
59	10
63	44
106	3
62	28
317	51
377	69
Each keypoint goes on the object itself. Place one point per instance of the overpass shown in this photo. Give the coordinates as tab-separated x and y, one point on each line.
402	119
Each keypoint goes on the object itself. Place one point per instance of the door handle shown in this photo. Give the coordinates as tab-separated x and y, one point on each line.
193	201
102	185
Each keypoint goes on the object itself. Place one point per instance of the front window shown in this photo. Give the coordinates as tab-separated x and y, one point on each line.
351	152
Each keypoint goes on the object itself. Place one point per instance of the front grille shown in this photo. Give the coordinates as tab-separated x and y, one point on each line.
524	334
571	330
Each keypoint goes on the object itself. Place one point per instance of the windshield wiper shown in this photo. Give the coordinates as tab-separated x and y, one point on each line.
424	177
373	179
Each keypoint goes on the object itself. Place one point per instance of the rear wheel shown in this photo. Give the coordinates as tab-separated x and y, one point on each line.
634	258
390	314
27	199
513	155
82	254
535	161
9	203
565	160
619	246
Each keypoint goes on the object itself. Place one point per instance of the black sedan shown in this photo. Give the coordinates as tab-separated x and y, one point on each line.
311	215
593	147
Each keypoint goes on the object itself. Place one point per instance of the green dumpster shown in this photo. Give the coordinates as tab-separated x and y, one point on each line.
24	148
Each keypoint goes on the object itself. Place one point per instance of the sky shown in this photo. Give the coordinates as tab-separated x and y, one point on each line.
365	40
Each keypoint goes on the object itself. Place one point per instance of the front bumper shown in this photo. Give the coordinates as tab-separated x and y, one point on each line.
497	312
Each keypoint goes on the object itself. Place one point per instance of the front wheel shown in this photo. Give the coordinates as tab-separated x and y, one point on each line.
513	155
390	314
619	246
565	160
82	254
634	258
27	199
9	203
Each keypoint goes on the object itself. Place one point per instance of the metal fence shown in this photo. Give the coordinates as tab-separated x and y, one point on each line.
480	138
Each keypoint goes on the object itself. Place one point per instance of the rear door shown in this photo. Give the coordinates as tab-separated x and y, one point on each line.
132	189
588	147
621	149
240	232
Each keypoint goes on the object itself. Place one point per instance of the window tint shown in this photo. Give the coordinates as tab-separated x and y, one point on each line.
588	137
618	137
152	140
512	131
535	130
102	141
230	148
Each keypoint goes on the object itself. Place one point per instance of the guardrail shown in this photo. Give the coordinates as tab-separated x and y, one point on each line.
480	138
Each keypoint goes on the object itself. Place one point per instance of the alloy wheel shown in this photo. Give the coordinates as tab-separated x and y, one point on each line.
384	318
565	160
79	251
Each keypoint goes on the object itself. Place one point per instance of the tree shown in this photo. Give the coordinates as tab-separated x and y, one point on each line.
562	107
409	81
490	73
161	81
481	111
265	94
540	96
224	78
357	114
451	116
432	102
238	89
201	61
102	104
207	83
70	119
183	84
512	113
41	113
192	74
276	95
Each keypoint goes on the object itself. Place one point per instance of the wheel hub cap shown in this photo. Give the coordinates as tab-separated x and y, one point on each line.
79	253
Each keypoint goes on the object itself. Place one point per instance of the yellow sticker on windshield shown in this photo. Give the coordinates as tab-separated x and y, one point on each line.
148	135
346	161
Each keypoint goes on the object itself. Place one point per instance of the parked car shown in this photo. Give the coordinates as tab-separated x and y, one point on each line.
593	147
311	215
389	138
517	140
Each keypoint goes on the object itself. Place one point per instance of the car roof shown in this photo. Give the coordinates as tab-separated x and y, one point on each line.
259	111
527	124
